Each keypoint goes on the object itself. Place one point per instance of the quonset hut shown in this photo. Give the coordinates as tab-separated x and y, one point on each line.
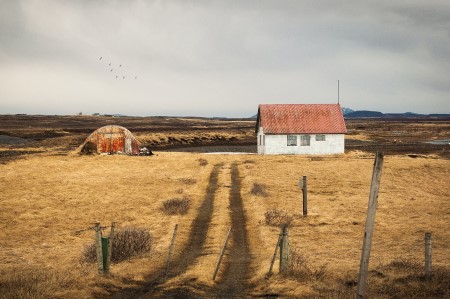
111	140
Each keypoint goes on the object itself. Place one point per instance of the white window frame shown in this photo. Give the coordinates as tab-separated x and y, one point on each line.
291	140
305	140
320	137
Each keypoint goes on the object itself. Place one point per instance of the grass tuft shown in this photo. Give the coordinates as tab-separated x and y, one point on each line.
176	206
259	190
202	162
188	181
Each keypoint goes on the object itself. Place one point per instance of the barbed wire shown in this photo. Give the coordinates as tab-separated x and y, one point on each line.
78	232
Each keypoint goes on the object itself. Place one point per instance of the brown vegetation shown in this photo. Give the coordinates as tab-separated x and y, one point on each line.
51	199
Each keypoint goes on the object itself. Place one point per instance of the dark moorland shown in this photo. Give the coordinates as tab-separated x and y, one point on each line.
34	134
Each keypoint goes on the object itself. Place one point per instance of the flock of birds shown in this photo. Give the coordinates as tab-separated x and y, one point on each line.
119	68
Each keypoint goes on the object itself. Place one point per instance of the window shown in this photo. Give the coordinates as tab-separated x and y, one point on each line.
291	140
305	140
320	137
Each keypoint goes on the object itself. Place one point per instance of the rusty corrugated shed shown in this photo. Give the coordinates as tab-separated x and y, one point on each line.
301	119
114	139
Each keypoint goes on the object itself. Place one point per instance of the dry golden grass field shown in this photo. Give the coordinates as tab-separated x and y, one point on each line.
51	198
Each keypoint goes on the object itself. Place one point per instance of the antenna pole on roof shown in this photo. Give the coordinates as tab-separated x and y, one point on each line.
338	91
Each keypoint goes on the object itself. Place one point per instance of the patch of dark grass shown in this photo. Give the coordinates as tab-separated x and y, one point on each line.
188	181
176	206
405	278
202	162
259	190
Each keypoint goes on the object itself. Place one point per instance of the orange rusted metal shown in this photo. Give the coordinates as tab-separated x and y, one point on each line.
114	139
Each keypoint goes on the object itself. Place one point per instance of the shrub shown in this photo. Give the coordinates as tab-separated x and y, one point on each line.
89	148
259	190
126	244
299	268
202	162
176	206
278	218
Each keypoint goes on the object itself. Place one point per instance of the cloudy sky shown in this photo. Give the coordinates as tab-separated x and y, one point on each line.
222	58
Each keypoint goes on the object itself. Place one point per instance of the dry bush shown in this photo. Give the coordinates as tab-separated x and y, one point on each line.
126	244
89	148
259	190
407	280
278	218
299	268
32	283
249	162
202	162
176	206
188	181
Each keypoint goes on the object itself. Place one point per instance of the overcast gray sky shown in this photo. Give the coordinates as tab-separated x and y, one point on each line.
222	58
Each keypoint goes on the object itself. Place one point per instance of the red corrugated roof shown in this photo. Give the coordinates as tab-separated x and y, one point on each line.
301	118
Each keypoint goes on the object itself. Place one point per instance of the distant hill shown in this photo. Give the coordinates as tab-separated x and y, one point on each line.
377	114
346	110
363	113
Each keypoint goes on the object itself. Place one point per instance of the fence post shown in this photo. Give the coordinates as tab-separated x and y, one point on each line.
428	256
305	197
284	250
105	254
370	223
98	247
221	254
110	241
172	244
280	235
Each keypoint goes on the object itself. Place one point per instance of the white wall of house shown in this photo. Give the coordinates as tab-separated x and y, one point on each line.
277	144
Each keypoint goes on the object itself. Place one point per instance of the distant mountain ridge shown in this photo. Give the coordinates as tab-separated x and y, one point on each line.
350	113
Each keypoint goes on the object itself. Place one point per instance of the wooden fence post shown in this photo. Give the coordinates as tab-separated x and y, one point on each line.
370	223
284	250
428	256
305	197
172	244
98	247
221	254
280	235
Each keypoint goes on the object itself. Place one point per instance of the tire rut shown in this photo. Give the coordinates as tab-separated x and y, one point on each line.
235	274
197	236
190	252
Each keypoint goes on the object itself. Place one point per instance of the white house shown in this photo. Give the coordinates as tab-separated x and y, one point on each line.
300	129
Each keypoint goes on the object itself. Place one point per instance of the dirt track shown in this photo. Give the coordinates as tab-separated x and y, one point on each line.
231	283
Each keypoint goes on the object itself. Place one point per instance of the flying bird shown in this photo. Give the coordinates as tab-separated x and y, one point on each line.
117	77
100	58
124	77
120	65
110	64
111	70
135	77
